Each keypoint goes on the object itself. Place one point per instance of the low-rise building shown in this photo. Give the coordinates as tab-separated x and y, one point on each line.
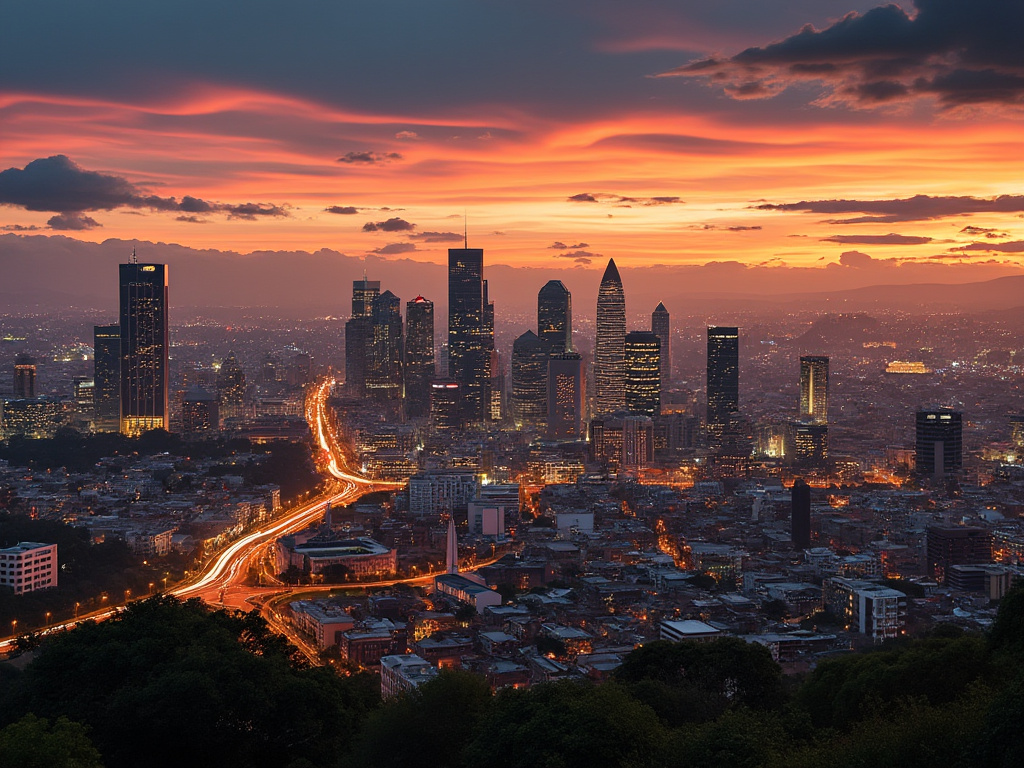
867	608
403	672
689	629
28	566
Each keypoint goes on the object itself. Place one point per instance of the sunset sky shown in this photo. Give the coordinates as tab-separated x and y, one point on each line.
785	132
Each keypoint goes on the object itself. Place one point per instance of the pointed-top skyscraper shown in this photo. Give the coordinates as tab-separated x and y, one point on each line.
661	327
610	348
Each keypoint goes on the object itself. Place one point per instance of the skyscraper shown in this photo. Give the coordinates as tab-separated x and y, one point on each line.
939	441
144	347
814	388
359	335
363	293
610	346
231	389
529	398
554	316
643	373
723	380
800	519
384	368
419	356
565	396
470	330
661	327
24	377
106	377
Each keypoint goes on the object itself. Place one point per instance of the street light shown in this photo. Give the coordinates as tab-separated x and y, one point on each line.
14	626
76	609
48	615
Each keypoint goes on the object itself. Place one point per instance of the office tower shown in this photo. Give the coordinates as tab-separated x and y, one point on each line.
661	327
643	373
419	356
554	316
445	405
231	389
470	330
300	370
814	388
199	411
384	361
1017	431
497	393
800	520
24	377
939	441
144	347
106	377
806	442
528	400
610	346
363	293
723	380
565	396
956	545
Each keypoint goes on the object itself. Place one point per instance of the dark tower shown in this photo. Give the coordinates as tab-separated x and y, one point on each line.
359	335
939	441
643	373
610	346
144	347
470	330
800	525
363	293
231	389
814	388
384	369
529	399
419	356
661	327
723	383
24	377
565	396
106	342
554	316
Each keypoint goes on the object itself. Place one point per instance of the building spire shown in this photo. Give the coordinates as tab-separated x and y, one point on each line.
452	554
135	259
465	229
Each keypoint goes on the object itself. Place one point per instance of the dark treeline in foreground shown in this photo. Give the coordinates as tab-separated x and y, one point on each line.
172	684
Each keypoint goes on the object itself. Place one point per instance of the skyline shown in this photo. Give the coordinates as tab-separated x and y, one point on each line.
584	132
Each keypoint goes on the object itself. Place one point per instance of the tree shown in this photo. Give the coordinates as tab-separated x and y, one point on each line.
33	742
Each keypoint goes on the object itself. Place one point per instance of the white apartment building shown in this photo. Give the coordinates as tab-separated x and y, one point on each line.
28	566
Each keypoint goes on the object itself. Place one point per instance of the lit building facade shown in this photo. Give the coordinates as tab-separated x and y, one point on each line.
106	378
24	377
723	380
470	330
144	347
565	382
643	373
231	389
939	444
610	345
28	566
814	388
529	396
384	369
419	356
554	316
661	326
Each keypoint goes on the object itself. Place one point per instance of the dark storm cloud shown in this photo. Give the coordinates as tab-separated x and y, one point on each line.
393	248
394	224
623	200
72	222
437	237
917	208
368	158
955	51
59	185
1014	246
890	239
344	210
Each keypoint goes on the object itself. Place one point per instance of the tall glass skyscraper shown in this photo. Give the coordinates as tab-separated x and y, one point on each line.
384	369
940	439
554	316
144	347
470	330
359	335
723	379
814	388
643	373
529	398
610	347
661	327
231	388
419	356
106	342
565	396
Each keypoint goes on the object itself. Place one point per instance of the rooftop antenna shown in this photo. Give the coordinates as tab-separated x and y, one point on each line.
135	259
465	231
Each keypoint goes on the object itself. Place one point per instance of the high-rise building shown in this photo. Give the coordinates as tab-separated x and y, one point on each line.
956	545
529	397
445	405
106	378
1017	431
554	316
939	441
363	293
723	380
610	346
806	442
419	356
24	377
231	389
384	368
359	335
814	388
565	396
800	521
199	411
661	326
470	330
144	347
643	373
